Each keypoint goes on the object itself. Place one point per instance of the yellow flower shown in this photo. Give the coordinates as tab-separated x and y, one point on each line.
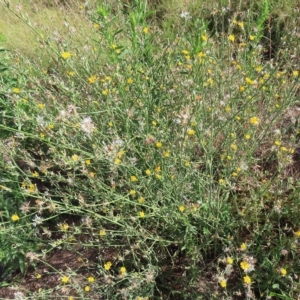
233	147
157	169
251	37
120	153
107	265
16	90
65	279
87	289
142	214
258	69
191	132
241	24
41	105
38	276
117	161
91	279
130	81
158	145
283	272
254	120
92	79
297	233
88	162
295	73
204	37
243	247
102	232
244	265
181	208
223	283
221	181
71	73
65	55
105	92
15	218
249	81
133	178
75	157
35	174
31	188
231	38
229	260
247	280
141	200
247	136
201	54
185	52
277	143
145	30
132	192
71	298
64	226
239	67
50	126
166	154
284	149
148	172
123	270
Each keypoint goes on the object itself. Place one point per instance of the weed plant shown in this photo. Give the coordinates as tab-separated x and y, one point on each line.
164	159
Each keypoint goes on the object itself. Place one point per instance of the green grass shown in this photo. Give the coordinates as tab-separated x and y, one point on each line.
57	22
155	151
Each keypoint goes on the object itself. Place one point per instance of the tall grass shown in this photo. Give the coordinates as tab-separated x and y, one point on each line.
161	156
